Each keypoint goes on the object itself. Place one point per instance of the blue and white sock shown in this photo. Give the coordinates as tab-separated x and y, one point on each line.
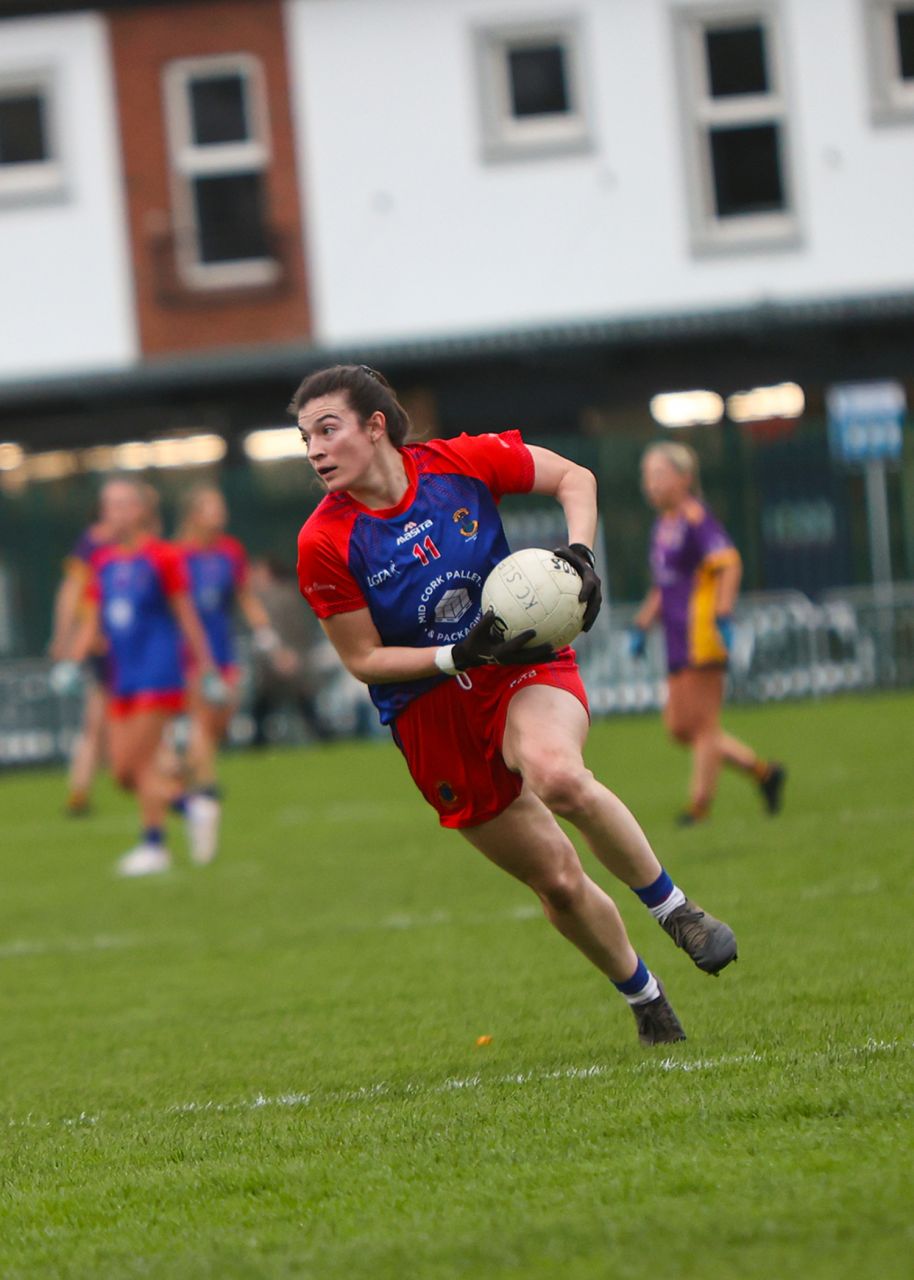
662	896
640	987
153	835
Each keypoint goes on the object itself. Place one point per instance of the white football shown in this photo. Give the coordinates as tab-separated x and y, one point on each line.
535	589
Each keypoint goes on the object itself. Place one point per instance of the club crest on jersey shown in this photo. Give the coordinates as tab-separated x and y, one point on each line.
412	530
465	523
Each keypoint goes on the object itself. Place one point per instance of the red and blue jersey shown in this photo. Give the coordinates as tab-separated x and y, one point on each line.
89	542
217	573
687	550
132	589
417	567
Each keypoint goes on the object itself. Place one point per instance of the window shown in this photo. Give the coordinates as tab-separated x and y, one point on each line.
29	165
531	89
218	138
891	44
736	120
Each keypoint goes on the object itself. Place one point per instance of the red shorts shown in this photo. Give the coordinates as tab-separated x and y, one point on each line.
131	704
452	738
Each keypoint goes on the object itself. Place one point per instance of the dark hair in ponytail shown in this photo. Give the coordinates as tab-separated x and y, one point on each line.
367	390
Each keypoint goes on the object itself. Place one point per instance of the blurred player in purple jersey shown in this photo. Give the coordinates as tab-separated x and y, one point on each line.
393	562
69	612
143	608
696	572
218	571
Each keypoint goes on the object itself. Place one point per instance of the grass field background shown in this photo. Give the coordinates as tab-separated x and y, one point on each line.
269	1068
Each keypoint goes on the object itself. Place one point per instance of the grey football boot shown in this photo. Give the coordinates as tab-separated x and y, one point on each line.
656	1021
710	943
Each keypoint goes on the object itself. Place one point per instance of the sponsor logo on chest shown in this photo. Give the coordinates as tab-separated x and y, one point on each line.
412	530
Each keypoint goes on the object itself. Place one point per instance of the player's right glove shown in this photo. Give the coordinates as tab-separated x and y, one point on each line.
582	560
484	646
65	678
724	624
214	689
637	642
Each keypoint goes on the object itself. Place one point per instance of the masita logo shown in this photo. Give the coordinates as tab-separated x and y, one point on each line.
412	530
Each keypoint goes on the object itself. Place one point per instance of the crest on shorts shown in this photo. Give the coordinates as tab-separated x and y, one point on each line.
465	523
446	794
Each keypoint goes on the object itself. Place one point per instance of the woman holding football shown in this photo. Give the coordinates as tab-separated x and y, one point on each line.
393	562
696	571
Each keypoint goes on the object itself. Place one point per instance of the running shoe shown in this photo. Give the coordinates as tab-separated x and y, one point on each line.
710	943
772	786
203	814
656	1021
144	860
689	819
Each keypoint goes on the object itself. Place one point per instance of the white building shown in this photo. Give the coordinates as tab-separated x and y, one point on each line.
476	164
66	296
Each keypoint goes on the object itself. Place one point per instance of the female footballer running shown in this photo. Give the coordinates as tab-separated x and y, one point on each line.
140	590
696	571
218	568
393	562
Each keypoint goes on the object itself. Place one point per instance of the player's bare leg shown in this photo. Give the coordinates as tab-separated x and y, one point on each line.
87	750
203	808
528	843
545	731
135	743
692	716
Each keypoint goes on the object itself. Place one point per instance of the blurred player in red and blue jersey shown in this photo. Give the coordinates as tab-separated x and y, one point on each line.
217	566
69	612
143	609
696	572
393	562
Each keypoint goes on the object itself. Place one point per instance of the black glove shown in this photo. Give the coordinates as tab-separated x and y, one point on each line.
484	645
582	560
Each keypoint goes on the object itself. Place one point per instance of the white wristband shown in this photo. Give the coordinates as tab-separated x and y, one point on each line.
444	659
265	640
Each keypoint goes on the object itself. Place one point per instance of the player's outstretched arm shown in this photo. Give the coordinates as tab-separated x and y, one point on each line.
573	487
649	612
355	638
191	628
67	603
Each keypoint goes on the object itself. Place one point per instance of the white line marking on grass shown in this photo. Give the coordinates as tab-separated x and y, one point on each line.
457	1084
62	946
403	920
704	1064
839	889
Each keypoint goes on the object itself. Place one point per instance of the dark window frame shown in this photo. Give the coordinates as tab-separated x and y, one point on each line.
196	165
721	225
30	179
891	91
510	135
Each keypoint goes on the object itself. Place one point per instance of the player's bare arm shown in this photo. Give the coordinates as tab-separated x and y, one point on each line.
573	487
649	612
365	656
727	581
192	630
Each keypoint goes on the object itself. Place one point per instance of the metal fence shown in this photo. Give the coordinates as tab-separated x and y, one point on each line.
786	646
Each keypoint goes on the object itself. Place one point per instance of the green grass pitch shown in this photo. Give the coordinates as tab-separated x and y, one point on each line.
269	1068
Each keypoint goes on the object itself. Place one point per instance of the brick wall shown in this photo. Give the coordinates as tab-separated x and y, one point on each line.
173	316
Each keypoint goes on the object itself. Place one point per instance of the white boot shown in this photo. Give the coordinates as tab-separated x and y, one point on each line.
144	860
203	814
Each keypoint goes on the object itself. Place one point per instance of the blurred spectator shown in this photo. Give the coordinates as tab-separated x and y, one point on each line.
291	673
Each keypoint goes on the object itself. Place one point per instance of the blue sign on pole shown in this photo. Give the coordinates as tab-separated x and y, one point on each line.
865	421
